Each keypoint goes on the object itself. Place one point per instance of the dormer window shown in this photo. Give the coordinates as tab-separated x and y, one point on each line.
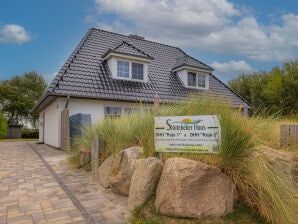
192	73
196	80
201	80
126	62
130	70
122	69
137	71
191	79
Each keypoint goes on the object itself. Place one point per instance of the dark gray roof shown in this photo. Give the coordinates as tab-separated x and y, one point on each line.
187	60
85	74
125	48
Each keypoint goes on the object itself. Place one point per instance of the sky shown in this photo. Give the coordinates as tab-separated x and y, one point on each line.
233	37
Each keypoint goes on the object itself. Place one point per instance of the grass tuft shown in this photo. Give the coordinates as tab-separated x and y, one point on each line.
261	187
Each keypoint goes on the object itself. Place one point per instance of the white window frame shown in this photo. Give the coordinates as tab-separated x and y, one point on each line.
111	115
197	79
118	62
113	61
130	70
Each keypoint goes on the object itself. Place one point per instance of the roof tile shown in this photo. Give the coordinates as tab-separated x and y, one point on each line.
85	74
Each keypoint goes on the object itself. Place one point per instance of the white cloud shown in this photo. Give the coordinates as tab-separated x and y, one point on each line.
212	25
14	34
118	25
232	67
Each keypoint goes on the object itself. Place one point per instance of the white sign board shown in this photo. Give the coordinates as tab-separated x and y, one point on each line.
196	134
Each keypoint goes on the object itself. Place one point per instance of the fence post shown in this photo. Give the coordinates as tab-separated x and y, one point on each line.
65	138
288	135
95	155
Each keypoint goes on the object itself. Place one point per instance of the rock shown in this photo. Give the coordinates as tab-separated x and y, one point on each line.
104	172
192	189
144	180
122	169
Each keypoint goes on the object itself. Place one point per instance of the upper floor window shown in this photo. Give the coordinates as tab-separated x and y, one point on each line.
137	71
191	79
123	69
130	70
201	80
197	80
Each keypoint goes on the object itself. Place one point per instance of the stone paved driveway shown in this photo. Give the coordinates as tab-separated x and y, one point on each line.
36	186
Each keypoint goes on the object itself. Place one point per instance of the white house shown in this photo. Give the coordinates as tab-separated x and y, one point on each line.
109	74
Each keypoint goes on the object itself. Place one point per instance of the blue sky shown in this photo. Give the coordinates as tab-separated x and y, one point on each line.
233	37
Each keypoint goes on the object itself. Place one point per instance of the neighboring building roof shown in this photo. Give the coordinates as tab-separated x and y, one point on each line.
125	48
86	75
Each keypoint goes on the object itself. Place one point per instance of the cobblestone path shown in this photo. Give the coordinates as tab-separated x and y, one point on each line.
37	186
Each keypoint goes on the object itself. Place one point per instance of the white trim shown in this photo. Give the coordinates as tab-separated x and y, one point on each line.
192	69
127	57
112	62
197	87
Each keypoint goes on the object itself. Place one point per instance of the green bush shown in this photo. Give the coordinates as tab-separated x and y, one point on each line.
261	187
3	126
30	133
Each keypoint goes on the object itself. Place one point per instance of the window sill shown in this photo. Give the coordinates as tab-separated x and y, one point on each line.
130	80
197	88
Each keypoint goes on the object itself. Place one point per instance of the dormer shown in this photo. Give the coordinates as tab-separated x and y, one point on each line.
127	62
192	73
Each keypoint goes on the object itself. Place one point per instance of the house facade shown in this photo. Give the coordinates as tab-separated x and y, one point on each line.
109	74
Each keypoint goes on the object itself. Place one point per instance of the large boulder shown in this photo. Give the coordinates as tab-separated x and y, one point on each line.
122	169
144	180
192	189
104	172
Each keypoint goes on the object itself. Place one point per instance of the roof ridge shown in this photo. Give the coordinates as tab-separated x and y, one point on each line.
150	41
119	34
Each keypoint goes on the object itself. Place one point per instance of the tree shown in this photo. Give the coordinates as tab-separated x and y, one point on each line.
275	92
3	126
19	95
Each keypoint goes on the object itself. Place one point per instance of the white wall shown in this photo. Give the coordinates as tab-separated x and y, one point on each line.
51	124
95	108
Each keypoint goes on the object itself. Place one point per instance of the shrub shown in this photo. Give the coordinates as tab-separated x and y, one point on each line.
3	126
30	133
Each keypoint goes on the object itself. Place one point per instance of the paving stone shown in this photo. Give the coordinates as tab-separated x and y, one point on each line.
19	219
39	187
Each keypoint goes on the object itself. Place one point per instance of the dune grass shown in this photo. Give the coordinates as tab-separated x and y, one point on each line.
267	131
261	187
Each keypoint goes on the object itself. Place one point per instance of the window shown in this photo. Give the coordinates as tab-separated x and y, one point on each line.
123	69
112	112
129	110
201	81
196	80
130	70
191	79
137	71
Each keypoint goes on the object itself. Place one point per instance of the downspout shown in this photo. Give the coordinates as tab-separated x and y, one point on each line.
67	101
64	135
